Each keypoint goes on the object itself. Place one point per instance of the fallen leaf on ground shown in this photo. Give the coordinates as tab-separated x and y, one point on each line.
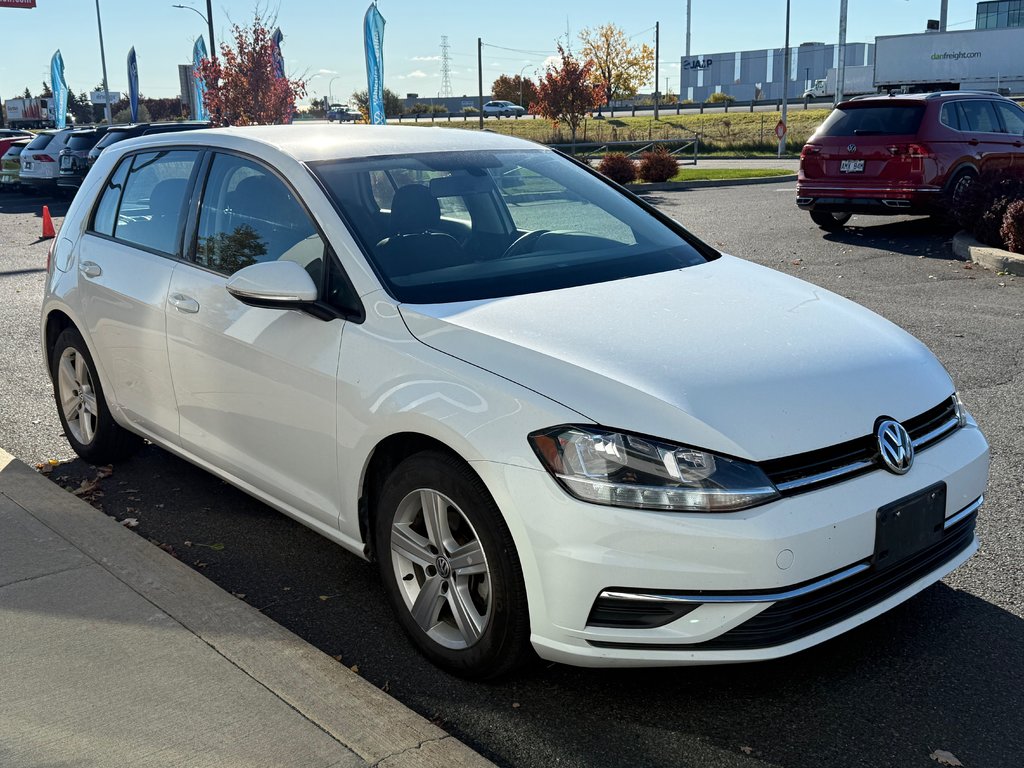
355	668
130	522
103	472
45	468
945	758
516	705
215	547
747	750
87	486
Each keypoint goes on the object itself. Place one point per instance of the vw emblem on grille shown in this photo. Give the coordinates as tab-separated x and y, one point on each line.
851	148
443	567
895	446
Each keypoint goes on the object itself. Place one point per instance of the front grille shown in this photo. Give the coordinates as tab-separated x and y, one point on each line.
792	619
815	469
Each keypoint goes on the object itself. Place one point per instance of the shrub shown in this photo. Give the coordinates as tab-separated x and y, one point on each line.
718	98
1012	230
617	167
658	165
981	208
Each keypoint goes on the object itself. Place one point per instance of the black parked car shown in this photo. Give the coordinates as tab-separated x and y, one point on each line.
73	159
118	133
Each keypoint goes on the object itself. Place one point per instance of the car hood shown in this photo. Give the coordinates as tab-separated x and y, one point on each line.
728	356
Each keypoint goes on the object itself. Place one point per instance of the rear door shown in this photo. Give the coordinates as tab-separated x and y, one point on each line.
256	388
1012	118
987	143
125	261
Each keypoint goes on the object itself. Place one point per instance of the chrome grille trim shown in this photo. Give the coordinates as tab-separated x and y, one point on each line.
967	511
822	477
937	433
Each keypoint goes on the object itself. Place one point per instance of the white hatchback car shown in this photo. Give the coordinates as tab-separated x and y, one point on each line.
552	415
503	109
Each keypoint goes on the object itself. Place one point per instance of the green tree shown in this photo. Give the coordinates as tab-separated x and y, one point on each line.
622	69
47	92
567	92
393	104
517	89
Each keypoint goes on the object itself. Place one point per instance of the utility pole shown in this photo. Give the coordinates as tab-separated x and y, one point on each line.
841	69
209	24
943	15
480	77
103	61
657	53
785	86
688	2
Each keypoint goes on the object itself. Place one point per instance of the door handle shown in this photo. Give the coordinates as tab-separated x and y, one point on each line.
90	269
184	303
973	142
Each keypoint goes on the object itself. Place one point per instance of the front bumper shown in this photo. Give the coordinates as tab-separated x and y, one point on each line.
573	552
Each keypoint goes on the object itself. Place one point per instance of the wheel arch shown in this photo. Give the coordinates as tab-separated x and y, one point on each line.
958	171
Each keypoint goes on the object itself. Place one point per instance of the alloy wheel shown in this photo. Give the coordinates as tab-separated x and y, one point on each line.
441	569
77	395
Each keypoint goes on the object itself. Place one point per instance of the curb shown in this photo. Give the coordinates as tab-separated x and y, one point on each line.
667	186
995	259
374	726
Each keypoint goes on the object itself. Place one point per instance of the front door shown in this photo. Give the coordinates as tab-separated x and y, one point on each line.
255	388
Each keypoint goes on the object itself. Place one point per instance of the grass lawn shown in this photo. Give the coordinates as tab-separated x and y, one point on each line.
738	131
714	174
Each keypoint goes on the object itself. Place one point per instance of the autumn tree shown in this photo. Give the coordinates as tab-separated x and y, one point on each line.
622	69
242	87
517	89
567	91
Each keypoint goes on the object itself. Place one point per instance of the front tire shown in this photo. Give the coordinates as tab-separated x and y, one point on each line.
81	405
450	567
829	221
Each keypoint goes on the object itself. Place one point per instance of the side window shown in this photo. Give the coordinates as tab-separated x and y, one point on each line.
152	207
981	116
105	216
949	115
1013	118
248	215
383	189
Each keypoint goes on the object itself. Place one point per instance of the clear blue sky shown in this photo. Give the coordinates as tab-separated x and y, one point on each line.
323	38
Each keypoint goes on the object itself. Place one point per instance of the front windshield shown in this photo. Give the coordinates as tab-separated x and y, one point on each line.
461	226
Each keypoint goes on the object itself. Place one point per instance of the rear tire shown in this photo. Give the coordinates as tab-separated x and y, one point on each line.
829	221
81	405
450	568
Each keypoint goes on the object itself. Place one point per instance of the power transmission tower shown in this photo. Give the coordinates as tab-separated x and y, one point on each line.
446	70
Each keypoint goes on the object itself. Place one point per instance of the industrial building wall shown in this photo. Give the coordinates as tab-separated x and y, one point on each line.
747	75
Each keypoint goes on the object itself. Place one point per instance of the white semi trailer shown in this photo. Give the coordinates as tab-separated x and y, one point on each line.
978	59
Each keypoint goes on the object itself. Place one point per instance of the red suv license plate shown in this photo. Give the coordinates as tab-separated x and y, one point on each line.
851	166
909	525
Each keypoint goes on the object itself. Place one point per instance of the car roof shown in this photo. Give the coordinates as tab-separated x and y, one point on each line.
311	143
917	98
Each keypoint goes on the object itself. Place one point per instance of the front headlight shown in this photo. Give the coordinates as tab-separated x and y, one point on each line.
624	470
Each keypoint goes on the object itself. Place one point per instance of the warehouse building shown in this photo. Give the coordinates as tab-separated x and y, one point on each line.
747	75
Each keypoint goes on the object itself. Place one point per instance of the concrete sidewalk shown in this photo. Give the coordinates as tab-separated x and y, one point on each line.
113	653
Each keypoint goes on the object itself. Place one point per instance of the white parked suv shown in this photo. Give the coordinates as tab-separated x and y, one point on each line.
555	420
40	160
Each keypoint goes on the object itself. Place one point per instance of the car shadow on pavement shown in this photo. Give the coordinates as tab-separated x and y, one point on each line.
911	237
943	671
15	203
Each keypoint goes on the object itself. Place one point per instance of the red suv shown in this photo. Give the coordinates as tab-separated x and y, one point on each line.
904	154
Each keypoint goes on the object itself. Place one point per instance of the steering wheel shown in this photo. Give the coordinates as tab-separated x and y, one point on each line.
522	243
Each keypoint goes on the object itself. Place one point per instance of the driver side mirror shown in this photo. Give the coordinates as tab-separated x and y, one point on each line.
273	285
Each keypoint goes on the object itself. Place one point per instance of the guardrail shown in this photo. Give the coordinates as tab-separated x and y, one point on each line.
589	151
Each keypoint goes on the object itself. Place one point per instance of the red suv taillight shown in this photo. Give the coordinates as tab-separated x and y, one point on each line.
809	150
910	150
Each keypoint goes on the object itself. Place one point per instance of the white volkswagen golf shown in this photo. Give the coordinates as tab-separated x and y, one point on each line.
554	417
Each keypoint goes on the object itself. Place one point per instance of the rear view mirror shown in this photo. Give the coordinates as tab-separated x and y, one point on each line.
273	285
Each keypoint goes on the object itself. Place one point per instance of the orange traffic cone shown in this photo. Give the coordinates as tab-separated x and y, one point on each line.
48	231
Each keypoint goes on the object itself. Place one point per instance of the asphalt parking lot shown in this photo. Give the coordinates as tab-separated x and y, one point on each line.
943	672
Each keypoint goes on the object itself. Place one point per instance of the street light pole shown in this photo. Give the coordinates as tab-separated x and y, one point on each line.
688	2
103	61
330	93
521	83
841	69
785	86
207	19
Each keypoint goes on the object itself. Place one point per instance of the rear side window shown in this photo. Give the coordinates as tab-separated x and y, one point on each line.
950	116
248	215
105	216
978	115
111	137
82	141
40	141
890	120
151	213
1013	118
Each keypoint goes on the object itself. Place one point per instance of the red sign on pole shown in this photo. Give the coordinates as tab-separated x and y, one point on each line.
780	130
17	3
